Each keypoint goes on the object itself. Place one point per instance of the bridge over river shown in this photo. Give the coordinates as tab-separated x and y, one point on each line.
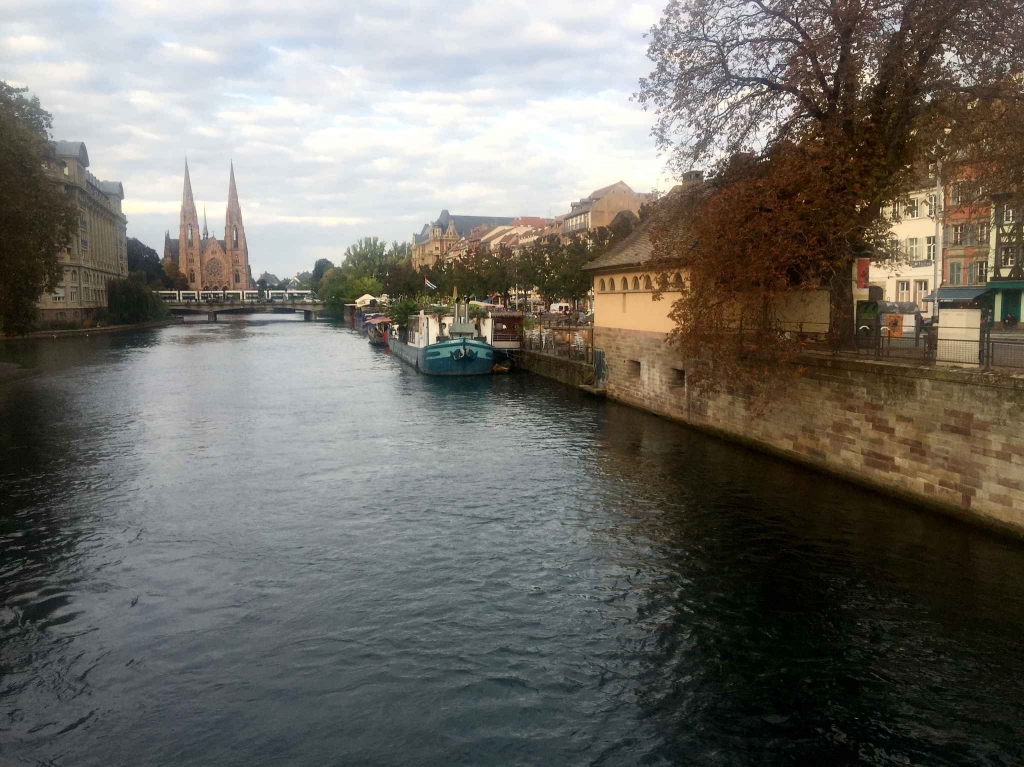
311	310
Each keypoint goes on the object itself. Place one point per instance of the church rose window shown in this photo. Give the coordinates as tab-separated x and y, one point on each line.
213	268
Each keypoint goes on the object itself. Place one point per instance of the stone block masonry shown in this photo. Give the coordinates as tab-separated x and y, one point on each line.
567	371
950	439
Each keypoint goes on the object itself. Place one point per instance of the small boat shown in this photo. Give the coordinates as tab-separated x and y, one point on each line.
443	346
377	330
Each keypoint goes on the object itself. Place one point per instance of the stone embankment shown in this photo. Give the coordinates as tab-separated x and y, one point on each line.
92	331
947	438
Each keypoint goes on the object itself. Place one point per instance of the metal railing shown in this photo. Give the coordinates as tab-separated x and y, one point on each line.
925	347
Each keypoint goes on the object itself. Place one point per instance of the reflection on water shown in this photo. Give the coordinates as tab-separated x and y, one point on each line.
267	542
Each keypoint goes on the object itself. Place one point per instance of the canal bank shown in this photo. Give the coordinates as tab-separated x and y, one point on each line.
946	438
73	332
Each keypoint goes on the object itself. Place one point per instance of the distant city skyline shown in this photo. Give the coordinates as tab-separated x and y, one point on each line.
343	124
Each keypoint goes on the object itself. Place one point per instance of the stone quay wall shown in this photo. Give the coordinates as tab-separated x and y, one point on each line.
571	372
948	438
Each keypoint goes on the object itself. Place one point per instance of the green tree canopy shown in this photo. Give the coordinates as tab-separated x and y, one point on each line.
37	220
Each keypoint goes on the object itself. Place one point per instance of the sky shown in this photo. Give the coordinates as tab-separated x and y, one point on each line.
343	119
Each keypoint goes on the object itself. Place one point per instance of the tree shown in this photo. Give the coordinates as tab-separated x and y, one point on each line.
131	301
37	219
143	260
321	266
366	256
261	285
813	116
173	278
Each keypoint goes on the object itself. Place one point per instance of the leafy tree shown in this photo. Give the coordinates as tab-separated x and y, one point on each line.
367	257
261	285
173	278
813	116
143	260
321	266
131	301
37	220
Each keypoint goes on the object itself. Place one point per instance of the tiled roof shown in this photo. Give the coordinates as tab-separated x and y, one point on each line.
463	224
632	251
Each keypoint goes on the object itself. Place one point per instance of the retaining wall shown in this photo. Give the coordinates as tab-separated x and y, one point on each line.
569	372
948	438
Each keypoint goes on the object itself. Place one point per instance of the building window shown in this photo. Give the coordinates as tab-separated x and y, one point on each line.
959	234
67	172
930	248
1009	215
85	244
914	248
633	368
83	224
625	284
190	234
903	290
1007	256
920	290
977	272
932	209
895	210
912	208
956	273
601	286
983	234
237	278
74	295
191	276
234	236
677	378
74	276
636	283
647	283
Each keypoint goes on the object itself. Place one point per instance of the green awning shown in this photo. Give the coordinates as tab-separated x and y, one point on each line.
1006	285
961	294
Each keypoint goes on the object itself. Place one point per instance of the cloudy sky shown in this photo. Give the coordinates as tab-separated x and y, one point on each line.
344	119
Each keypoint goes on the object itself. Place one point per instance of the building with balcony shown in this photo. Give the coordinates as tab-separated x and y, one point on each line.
98	252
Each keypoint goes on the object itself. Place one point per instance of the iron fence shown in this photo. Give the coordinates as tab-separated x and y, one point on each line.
925	347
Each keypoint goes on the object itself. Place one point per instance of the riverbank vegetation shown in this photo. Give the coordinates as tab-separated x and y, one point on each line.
132	301
37	220
815	118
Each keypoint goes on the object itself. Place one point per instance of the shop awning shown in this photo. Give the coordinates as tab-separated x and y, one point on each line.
1006	285
961	294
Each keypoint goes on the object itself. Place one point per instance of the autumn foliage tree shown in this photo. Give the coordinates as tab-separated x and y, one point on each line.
811	116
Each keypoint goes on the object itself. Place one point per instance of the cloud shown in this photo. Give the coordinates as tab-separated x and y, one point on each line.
191	53
343	120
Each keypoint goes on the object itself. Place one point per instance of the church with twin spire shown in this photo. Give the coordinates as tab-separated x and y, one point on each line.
206	262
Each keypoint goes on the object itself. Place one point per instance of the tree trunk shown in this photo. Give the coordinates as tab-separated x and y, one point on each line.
841	329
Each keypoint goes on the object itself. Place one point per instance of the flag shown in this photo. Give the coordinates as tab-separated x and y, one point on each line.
427	283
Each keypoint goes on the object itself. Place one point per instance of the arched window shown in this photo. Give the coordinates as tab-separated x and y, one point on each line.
191	276
74	276
601	286
238	279
190	234
677	281
625	284
636	283
234	236
647	283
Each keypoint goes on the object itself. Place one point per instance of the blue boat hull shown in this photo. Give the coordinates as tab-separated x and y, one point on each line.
457	357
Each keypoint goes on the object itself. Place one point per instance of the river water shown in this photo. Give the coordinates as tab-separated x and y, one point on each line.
268	543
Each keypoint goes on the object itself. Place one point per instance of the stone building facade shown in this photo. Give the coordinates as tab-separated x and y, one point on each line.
98	251
437	238
207	262
600	207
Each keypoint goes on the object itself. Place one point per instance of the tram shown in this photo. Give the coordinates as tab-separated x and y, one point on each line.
238	296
